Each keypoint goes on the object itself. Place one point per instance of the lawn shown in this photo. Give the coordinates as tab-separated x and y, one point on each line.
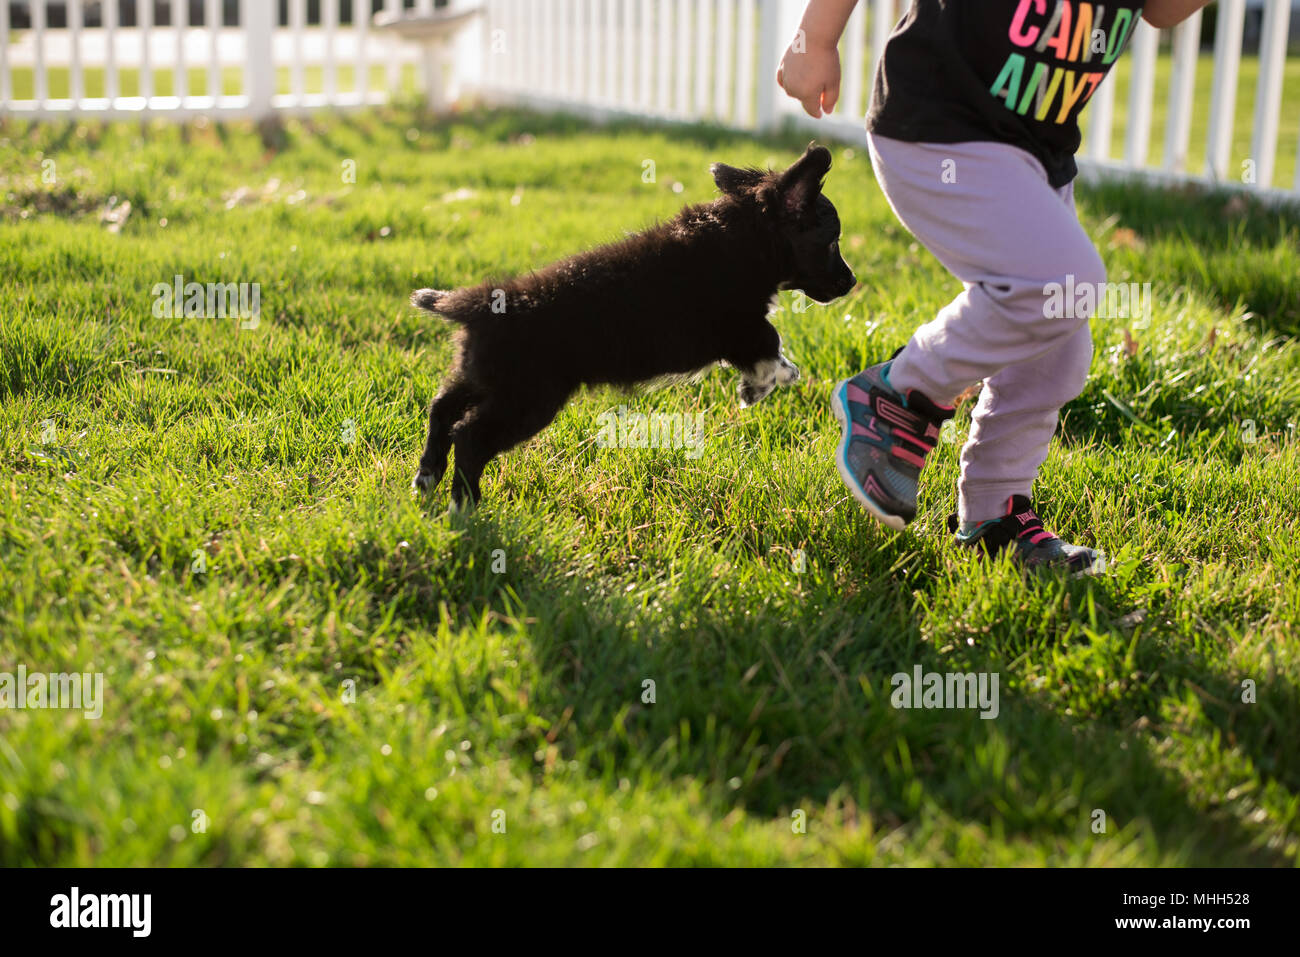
626	655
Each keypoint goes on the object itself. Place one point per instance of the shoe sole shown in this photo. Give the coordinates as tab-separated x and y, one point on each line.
839	405
1098	566
1094	569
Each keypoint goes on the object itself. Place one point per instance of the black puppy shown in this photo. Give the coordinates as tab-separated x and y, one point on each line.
673	299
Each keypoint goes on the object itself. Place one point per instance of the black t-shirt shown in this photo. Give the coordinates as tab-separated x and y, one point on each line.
1011	71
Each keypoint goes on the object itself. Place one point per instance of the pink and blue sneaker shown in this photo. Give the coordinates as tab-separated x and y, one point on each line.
1031	545
886	438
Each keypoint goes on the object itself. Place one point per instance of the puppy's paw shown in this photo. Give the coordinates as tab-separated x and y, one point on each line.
424	482
766	375
752	393
787	373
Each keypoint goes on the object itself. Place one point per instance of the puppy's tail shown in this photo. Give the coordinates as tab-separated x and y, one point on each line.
430	300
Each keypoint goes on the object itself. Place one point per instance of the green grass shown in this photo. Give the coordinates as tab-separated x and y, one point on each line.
520	690
164	81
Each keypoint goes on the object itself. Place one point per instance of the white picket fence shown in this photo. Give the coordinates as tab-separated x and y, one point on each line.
715	60
672	60
256	49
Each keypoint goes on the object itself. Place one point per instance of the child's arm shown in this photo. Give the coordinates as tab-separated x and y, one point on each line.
1170	13
810	69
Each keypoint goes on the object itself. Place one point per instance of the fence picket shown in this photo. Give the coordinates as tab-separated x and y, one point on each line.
257	19
394	65
298	27
1223	103
682	61
769	35
361	28
6	88
329	17
1268	96
1141	94
76	77
855	56
723	104
555	46
627	89
645	37
746	37
180	73
1182	93
112	84
212	23
564	59
531	42
578	59
703	49
41	86
609	42
663	75
595	52
144	27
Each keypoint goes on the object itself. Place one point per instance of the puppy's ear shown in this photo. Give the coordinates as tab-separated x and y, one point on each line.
735	181
802	182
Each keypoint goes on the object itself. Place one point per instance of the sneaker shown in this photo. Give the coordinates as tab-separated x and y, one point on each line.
1031	545
886	437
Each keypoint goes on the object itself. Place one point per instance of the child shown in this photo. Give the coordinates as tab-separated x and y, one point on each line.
972	131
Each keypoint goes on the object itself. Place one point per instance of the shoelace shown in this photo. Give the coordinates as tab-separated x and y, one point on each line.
1032	528
906	425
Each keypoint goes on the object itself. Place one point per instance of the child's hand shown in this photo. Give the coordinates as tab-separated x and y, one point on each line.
812	77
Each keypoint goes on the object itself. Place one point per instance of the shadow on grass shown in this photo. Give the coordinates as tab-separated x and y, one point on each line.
775	706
